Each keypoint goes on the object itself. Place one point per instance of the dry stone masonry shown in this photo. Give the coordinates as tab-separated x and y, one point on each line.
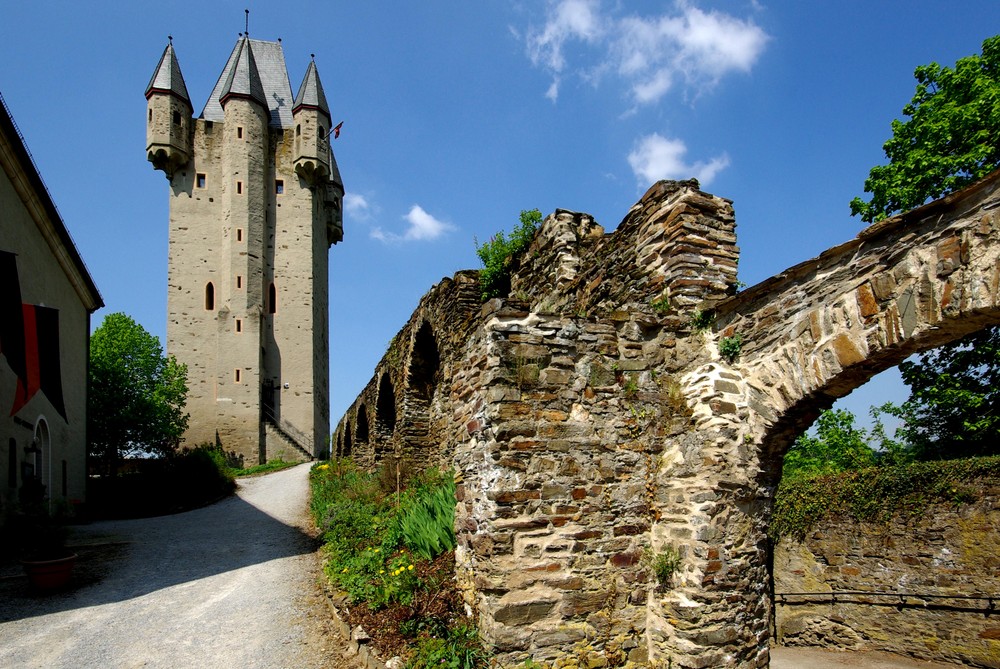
594	425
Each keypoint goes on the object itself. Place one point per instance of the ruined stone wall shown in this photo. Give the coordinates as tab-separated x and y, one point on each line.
945	551
594	424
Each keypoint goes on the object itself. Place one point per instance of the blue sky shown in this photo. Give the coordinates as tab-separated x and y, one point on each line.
458	115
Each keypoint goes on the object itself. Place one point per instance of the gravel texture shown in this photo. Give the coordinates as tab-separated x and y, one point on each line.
234	584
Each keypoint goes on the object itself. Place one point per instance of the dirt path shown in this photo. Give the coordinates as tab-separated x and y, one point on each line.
230	585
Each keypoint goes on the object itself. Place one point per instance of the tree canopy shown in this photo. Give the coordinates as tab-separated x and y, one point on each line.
136	394
949	140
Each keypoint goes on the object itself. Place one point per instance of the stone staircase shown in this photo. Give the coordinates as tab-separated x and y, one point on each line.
280	441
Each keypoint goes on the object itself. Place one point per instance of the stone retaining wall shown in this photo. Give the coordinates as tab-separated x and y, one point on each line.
945	551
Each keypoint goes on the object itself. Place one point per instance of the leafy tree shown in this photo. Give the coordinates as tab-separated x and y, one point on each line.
838	446
954	406
952	137
136	395
500	255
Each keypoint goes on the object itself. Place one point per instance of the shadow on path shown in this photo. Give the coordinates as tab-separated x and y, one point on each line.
127	559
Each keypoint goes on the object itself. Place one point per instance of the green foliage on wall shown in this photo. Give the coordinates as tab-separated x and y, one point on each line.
500	255
875	494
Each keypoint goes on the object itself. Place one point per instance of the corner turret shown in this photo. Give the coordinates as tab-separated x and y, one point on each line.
311	115
168	116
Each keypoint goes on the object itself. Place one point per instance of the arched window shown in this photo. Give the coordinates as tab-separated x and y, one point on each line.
322	132
347	440
177	118
272	299
209	296
385	406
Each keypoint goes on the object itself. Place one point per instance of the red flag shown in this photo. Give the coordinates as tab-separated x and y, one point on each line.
336	131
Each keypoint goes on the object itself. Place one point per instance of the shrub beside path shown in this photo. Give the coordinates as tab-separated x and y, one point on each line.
233	585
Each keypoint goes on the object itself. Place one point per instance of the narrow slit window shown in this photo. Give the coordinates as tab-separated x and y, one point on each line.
200	180
239	188
209	296
237	376
239	281
322	132
272	299
279	187
239	325
239	132
239	234
177	118
150	116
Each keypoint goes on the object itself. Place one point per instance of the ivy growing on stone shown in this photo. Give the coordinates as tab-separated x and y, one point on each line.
876	494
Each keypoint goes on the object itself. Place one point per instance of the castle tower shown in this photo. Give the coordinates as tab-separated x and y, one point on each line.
255	204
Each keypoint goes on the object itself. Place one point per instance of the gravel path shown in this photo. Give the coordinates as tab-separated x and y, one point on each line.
234	585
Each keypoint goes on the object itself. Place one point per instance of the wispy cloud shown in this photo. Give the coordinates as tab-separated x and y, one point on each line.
421	226
358	206
656	157
650	54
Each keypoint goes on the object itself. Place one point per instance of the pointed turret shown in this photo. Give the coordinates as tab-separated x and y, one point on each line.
168	115
244	77
311	115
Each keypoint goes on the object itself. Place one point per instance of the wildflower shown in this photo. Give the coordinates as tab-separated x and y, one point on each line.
344	571
381	571
375	549
410	567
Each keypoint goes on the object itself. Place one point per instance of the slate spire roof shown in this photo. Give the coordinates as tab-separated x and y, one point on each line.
244	78
167	77
272	88
310	93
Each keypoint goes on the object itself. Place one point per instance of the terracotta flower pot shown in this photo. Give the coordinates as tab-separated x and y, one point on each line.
49	574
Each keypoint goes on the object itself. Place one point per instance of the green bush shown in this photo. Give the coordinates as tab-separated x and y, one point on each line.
500	255
459	648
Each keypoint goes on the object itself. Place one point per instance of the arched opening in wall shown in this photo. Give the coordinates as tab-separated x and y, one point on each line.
385	417
422	379
340	444
209	296
901	440
348	447
362	422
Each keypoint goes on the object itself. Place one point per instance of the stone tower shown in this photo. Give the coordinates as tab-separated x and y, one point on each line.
255	204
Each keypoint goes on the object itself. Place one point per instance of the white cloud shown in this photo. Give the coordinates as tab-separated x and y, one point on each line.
656	157
567	20
421	227
649	53
357	206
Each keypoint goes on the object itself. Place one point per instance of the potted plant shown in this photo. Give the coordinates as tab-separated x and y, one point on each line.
41	541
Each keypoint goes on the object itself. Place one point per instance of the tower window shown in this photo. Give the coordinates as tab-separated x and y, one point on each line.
298	128
150	116
199	180
239	234
239	281
239	132
209	296
239	325
177	118
272	299
239	188
279	186
236	376
322	132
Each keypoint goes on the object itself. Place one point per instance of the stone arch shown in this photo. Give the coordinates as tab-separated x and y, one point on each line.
385	417
348	446
423	373
811	334
361	431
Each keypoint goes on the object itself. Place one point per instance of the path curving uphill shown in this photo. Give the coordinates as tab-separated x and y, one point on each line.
229	585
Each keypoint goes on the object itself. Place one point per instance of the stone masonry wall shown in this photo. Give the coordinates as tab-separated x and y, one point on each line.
593	423
945	551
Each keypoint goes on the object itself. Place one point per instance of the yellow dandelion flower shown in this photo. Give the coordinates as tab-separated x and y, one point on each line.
344	571
375	549
381	571
410	567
